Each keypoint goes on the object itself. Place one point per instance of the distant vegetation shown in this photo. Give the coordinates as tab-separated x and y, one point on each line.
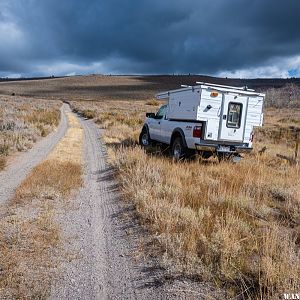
285	97
103	87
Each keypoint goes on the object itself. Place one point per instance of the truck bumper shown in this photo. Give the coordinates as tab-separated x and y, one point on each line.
222	148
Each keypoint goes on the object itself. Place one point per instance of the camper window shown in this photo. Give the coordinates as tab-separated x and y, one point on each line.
234	115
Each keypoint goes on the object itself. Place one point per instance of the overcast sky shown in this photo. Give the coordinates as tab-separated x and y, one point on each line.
238	38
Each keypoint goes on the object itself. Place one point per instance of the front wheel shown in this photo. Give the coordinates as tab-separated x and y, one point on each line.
144	138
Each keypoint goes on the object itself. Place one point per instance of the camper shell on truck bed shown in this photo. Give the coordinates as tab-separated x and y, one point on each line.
217	106
209	117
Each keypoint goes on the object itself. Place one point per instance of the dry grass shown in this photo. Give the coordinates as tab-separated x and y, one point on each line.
30	248
237	226
69	149
153	102
23	121
51	179
88	114
229	224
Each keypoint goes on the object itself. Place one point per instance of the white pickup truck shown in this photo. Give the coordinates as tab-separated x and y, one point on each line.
207	119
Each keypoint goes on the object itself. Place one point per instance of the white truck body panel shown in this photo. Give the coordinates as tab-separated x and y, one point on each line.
227	115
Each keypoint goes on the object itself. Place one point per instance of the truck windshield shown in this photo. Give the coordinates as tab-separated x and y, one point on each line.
161	112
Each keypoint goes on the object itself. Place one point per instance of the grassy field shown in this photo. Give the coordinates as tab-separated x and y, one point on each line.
234	225
23	121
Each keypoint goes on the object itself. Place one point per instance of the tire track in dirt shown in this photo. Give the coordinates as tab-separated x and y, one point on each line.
17	171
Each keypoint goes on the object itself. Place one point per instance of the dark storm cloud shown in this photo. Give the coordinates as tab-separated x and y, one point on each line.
147	36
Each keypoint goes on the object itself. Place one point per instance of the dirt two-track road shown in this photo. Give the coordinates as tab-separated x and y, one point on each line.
105	267
106	261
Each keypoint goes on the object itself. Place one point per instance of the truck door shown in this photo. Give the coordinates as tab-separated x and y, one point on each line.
232	119
155	124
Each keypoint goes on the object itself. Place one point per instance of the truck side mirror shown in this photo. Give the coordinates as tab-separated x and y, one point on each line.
150	115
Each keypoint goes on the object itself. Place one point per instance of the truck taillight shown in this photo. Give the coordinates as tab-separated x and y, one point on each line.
252	136
197	131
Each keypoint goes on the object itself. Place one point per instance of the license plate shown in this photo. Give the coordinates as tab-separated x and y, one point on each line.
224	149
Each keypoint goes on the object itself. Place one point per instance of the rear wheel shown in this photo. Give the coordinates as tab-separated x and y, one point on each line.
144	138
178	150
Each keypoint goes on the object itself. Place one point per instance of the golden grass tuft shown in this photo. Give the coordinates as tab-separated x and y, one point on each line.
43	117
88	114
153	102
51	179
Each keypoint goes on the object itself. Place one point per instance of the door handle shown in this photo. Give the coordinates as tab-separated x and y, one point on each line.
159	122
224	117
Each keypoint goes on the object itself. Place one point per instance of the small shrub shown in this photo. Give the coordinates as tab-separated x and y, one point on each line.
2	162
4	149
285	97
8	126
43	116
89	114
153	102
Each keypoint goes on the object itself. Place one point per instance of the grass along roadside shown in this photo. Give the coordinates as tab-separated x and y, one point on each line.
23	121
30	248
237	226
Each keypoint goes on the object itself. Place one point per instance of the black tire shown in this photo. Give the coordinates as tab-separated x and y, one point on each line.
144	138
178	150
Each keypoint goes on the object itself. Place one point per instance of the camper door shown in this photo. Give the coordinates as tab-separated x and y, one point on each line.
232	119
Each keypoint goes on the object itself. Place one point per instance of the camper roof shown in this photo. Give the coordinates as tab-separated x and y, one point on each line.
221	88
244	88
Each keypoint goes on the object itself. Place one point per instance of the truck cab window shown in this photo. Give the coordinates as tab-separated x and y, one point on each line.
234	115
161	112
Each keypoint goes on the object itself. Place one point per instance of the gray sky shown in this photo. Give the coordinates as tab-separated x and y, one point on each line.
239	38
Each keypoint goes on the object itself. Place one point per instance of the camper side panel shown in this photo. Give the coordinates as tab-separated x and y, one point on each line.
254	116
183	105
209	111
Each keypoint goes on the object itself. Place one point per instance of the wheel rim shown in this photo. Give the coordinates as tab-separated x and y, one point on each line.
177	151
145	139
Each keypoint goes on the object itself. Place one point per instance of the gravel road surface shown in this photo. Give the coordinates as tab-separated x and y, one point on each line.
17	170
